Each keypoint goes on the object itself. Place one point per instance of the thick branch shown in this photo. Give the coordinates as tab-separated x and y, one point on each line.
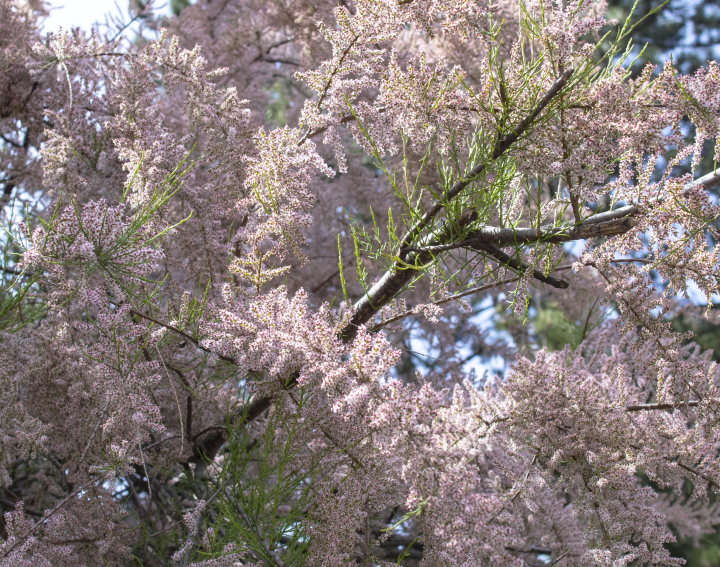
706	182
494	235
395	279
654	407
210	445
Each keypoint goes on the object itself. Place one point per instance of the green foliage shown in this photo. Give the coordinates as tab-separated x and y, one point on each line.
266	511
279	103
555	331
705	553
688	30
177	6
705	333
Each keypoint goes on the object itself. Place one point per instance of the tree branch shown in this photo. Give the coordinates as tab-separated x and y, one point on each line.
494	235
46	517
652	407
517	265
609	223
185	335
500	148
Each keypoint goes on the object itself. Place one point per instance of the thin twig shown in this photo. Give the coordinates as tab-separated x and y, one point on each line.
182	333
97	425
518	265
177	402
47	516
161	441
696	472
31	511
274	557
458	296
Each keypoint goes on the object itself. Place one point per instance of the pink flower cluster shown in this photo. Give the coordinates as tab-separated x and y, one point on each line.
187	227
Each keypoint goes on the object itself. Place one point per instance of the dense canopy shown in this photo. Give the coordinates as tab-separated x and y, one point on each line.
261	261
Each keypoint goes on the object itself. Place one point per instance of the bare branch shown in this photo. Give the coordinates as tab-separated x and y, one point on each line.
185	335
651	407
456	297
696	472
517	265
552	235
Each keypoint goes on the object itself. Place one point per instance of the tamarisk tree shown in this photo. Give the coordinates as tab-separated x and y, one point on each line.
223	240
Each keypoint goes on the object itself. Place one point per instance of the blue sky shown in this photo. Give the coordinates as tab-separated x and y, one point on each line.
83	13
